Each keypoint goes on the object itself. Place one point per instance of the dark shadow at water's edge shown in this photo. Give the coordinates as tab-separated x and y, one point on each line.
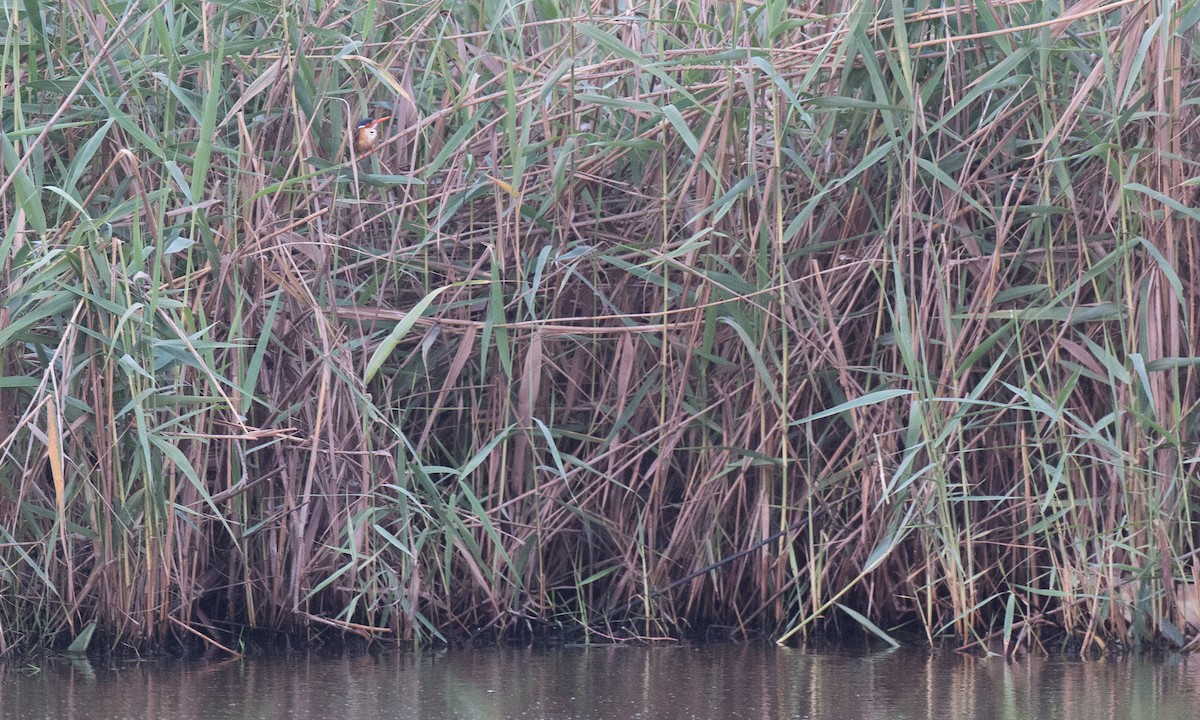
606	683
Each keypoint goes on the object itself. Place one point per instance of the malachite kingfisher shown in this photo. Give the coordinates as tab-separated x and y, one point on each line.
366	134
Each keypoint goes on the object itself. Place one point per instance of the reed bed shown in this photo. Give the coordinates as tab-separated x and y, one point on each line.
733	318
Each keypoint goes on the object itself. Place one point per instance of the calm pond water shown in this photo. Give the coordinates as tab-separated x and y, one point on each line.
609	683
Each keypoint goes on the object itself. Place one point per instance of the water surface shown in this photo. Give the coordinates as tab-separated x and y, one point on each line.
608	683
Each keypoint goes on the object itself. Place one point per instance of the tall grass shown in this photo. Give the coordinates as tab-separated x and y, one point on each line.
746	316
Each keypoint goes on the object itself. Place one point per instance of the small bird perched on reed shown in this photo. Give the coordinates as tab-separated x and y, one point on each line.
366	134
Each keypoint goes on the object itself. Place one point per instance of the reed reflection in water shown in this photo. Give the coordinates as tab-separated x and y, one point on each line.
609	683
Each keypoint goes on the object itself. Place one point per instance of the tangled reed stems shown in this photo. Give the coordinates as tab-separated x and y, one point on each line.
749	317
